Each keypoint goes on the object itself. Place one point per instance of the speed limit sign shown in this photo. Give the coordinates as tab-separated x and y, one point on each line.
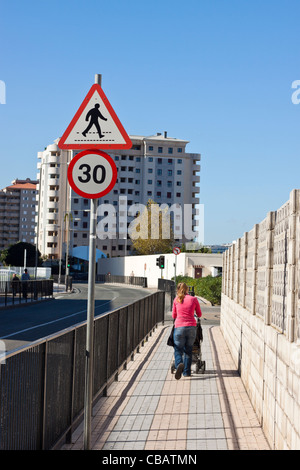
92	174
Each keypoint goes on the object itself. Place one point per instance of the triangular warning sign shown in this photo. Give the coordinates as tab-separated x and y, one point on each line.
95	125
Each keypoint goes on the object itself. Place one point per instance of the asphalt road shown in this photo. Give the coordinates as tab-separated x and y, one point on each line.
23	325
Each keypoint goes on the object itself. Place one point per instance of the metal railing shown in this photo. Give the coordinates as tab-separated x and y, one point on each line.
42	385
66	280
12	292
112	278
131	280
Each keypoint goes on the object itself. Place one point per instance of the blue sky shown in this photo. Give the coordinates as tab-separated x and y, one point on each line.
218	73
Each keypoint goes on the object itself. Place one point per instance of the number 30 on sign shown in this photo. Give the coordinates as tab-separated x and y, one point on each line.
92	174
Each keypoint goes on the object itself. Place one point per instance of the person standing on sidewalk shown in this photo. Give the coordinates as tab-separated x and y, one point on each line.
184	308
25	278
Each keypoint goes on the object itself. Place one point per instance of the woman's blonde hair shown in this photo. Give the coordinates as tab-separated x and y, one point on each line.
182	290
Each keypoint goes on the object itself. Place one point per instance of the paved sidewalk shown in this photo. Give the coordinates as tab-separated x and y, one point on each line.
148	409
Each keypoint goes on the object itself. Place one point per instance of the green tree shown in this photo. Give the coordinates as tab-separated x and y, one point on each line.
208	287
151	230
14	255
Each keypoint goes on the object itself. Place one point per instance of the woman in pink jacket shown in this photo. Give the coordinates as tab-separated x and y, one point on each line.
184	308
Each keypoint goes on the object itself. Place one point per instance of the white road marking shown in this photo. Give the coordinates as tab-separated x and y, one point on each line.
54	321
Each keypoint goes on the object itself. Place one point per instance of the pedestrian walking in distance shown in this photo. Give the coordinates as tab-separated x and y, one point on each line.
184	308
25	278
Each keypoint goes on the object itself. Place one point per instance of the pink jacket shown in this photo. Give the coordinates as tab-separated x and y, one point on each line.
184	313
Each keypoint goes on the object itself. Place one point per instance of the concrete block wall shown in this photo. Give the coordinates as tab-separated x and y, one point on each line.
260	317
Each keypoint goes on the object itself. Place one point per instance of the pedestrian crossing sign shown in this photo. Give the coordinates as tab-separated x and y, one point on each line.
95	125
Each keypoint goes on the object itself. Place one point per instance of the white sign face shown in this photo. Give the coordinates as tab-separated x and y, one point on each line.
95	125
92	174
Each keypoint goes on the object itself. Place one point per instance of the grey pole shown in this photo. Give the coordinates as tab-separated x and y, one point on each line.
88	400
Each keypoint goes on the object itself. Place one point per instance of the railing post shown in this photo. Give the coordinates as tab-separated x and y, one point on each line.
44	398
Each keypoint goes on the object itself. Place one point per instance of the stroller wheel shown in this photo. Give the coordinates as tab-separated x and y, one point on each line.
200	367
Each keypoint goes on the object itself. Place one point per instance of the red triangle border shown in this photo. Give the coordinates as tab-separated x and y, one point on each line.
83	146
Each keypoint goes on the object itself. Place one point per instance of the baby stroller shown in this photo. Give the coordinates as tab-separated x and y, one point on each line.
196	353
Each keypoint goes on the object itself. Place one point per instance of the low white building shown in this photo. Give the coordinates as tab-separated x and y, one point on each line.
186	264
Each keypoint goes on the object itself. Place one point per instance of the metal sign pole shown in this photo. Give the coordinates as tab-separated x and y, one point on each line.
90	328
88	401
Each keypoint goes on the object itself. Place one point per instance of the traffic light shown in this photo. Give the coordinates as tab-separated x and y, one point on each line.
161	262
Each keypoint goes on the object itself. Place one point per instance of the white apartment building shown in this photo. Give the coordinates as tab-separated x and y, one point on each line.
156	167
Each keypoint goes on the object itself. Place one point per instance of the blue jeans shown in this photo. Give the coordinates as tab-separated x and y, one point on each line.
184	338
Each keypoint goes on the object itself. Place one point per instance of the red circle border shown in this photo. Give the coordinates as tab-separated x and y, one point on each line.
105	191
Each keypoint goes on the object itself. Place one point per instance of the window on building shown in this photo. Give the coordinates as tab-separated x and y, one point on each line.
160	150
170	150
